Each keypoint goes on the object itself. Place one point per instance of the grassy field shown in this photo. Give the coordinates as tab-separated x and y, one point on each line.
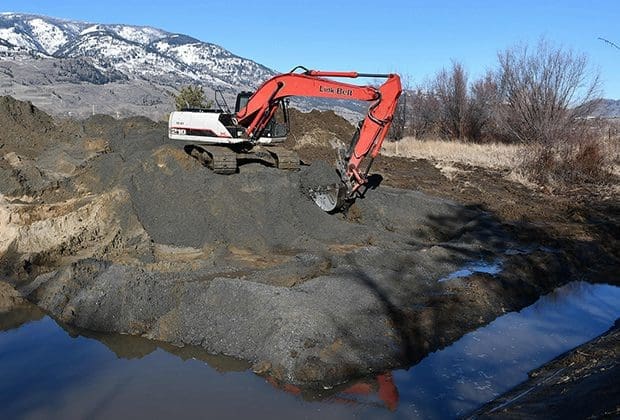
489	155
449	156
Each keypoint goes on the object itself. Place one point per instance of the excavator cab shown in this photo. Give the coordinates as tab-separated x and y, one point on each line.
279	126
242	100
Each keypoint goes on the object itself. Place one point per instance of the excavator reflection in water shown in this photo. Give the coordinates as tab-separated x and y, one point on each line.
364	392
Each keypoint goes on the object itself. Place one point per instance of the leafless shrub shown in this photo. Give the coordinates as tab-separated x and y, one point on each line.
450	108
545	93
481	121
565	165
450	89
546	96
424	113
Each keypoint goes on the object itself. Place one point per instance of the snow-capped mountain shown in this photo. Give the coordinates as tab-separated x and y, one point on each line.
77	68
135	51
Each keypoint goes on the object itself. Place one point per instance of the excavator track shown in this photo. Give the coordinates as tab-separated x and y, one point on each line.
221	160
278	157
285	159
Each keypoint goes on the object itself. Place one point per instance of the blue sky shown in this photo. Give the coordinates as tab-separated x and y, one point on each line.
415	38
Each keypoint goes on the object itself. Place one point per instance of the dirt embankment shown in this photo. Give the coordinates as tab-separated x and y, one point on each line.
109	226
583	383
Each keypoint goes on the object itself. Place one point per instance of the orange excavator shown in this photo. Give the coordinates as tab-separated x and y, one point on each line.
222	139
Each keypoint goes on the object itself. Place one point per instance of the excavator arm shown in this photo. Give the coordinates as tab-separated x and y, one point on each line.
262	105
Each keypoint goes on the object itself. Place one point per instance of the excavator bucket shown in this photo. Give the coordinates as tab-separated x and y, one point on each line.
322	183
330	199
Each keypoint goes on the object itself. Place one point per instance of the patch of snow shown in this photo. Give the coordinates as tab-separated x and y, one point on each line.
190	54
16	38
71	27
141	35
492	268
49	36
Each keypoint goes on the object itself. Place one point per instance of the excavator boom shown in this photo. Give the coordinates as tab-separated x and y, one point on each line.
262	105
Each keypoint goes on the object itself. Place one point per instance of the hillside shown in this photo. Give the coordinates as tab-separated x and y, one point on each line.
608	108
133	51
73	68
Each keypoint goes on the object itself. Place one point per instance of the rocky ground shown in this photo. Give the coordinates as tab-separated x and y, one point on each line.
108	226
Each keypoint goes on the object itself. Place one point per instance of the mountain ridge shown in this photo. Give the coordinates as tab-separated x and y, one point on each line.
75	68
141	51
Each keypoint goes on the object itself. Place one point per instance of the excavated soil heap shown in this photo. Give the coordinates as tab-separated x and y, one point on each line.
315	134
24	127
109	226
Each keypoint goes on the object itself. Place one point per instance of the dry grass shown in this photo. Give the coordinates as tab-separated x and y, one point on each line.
445	154
488	155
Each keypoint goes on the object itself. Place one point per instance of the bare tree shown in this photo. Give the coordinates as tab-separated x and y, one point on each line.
545	93
425	115
482	104
450	88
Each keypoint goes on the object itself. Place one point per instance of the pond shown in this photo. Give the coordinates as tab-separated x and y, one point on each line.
52	371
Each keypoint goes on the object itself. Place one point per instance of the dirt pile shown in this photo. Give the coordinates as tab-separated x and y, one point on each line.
24	127
325	123
258	208
120	230
315	133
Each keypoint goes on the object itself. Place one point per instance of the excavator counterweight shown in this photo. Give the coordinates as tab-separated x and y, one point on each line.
253	129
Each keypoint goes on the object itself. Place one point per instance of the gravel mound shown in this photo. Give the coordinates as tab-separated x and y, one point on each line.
318	173
120	230
25	129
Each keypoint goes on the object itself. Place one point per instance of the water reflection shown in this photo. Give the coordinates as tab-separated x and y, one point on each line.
377	391
19	316
491	360
130	347
51	372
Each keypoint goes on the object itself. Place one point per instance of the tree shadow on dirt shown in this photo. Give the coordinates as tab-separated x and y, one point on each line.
427	315
418	312
431	315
